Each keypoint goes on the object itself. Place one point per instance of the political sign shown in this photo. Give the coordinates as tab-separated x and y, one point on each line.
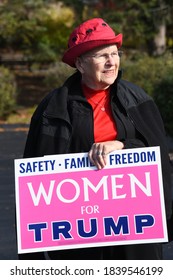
64	202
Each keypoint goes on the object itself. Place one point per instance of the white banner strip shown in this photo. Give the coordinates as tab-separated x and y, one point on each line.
86	270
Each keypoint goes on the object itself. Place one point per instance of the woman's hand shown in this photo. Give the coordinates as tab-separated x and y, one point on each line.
99	152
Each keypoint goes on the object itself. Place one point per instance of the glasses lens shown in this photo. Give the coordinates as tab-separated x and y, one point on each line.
104	57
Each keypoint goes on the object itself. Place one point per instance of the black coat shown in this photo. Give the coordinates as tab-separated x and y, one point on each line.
63	123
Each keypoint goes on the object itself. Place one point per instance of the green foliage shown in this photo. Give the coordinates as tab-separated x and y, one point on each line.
154	75
57	74
78	6
164	99
143	70
7	92
138	20
38	29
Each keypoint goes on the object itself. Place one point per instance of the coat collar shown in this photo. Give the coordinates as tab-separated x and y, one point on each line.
71	90
57	106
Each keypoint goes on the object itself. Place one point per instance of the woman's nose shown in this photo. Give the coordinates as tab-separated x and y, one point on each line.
110	59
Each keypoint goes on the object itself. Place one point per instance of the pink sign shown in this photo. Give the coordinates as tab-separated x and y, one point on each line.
62	201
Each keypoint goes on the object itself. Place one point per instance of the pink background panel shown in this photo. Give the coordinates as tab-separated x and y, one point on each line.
58	210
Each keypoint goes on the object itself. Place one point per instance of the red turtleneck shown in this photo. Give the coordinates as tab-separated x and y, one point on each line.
104	124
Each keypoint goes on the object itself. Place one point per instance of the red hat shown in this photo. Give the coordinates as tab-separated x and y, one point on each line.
91	34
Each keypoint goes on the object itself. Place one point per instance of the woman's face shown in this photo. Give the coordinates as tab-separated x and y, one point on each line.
99	67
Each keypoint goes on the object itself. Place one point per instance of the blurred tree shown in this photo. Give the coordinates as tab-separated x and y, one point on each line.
7	92
78	6
143	23
39	29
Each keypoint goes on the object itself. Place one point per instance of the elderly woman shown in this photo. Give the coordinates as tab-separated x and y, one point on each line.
95	111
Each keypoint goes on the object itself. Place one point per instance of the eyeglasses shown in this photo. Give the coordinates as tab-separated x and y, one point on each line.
101	58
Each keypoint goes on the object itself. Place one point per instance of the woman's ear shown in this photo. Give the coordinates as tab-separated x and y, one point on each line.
79	64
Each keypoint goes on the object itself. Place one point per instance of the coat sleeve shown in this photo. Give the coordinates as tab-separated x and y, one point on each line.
32	141
144	114
30	149
148	122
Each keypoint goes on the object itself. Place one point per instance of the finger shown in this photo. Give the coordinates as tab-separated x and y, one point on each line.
99	160
90	155
104	154
95	157
99	163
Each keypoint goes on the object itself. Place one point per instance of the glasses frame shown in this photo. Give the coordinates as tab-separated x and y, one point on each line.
102	58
